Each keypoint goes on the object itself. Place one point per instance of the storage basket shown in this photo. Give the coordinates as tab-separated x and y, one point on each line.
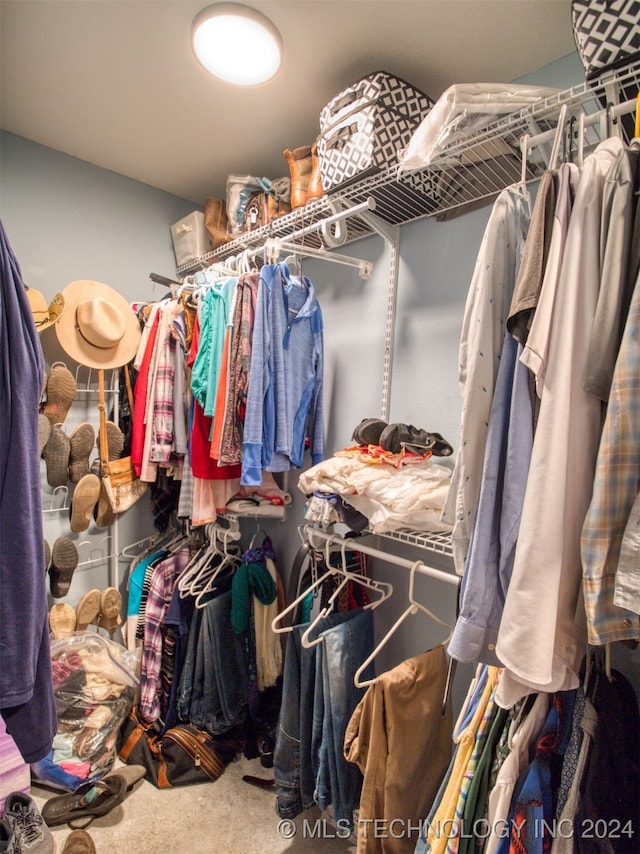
190	238
364	127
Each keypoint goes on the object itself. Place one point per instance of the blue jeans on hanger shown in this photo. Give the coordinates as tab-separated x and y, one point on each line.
221	681
341	652
293	771
185	685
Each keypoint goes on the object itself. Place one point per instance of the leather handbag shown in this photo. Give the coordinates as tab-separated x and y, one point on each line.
121	484
606	33
262	207
183	756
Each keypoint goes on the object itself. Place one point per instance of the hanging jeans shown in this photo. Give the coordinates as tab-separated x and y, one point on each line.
220	683
185	686
293	769
341	652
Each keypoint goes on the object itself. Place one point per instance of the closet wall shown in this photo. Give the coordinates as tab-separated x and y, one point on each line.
67	219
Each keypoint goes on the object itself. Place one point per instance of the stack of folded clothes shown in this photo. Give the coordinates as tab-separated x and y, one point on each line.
389	477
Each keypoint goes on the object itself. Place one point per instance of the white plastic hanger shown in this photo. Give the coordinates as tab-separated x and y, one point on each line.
414	608
580	154
521	186
379	586
228	559
198	562
275	623
557	140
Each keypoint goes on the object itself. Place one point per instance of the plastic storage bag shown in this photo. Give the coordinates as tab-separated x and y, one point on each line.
94	682
462	110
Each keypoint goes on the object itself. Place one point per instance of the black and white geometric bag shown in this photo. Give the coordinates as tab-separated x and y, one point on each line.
607	34
363	127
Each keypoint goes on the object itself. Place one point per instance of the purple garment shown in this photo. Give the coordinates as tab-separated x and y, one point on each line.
26	689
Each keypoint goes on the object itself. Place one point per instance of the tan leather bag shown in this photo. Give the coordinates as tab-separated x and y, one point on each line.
121	484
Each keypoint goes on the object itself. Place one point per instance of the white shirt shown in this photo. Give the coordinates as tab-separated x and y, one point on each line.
486	310
538	640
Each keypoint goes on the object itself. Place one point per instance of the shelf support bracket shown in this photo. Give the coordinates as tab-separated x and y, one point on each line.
391	235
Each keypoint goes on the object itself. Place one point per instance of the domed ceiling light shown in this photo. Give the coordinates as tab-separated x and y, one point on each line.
236	43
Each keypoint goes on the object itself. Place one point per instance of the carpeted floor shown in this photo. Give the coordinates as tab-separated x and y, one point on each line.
228	815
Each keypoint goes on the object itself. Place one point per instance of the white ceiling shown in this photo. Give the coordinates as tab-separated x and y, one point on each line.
114	82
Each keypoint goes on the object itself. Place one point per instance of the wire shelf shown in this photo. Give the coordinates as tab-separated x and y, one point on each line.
439	542
472	170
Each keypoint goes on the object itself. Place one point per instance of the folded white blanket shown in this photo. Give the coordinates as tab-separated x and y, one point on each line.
411	497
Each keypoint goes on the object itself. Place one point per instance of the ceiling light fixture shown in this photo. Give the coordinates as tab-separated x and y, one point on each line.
236	43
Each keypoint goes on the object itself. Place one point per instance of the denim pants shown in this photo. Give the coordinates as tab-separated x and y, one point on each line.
293	771
185	686
341	652
220	679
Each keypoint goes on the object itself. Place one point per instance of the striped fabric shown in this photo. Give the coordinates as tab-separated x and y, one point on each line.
158	600
162	435
616	484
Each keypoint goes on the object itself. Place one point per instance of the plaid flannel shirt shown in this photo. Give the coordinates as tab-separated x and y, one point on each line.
158	600
616	484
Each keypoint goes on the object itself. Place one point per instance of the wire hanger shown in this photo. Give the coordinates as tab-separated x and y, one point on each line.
413	608
380	586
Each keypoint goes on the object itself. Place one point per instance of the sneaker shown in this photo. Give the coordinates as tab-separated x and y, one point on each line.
84	499
8	839
64	560
61	392
32	834
115	441
80	448
56	455
44	431
368	431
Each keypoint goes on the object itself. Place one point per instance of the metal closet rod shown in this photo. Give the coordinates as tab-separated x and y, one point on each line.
289	242
274	246
586	120
312	533
368	205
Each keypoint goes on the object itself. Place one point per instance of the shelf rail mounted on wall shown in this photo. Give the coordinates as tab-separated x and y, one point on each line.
472	170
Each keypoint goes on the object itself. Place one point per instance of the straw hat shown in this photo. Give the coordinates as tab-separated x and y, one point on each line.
98	327
44	315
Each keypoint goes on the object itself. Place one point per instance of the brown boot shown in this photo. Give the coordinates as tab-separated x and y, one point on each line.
216	222
314	189
300	166
79	842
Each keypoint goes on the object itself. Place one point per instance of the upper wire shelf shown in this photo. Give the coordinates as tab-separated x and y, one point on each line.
472	170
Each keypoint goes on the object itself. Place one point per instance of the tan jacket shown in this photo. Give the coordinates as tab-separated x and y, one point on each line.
402	745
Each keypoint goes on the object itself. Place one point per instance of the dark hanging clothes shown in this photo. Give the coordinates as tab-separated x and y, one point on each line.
26	689
611	783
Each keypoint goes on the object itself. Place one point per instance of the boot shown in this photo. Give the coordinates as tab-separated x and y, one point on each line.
314	189
215	221
300	166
